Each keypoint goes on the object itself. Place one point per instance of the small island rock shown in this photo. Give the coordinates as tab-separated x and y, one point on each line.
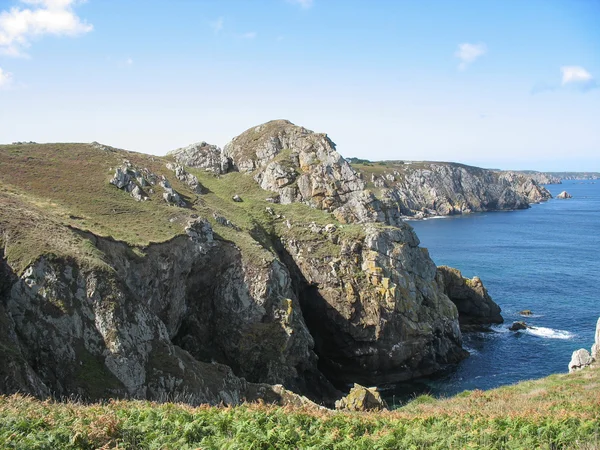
563	195
526	312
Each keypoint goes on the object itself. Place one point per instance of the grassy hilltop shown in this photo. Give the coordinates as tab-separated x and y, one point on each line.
561	411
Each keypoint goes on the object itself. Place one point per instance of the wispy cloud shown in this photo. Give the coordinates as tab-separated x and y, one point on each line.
575	75
32	20
573	78
217	25
249	35
305	4
129	62
5	78
468	53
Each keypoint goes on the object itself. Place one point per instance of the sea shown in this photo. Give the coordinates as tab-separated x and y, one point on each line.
545	259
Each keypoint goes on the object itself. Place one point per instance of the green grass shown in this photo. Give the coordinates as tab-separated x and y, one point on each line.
48	190
561	411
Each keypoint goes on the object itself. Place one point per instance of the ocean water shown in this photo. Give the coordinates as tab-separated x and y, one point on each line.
546	259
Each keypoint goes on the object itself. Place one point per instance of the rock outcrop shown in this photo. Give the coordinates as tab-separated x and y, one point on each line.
476	309
582	358
303	166
202	156
361	398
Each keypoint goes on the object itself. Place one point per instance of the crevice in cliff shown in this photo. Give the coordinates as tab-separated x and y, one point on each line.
333	347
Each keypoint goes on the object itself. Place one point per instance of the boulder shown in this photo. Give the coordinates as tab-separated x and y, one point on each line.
520	325
526	312
580	359
564	195
362	398
237	198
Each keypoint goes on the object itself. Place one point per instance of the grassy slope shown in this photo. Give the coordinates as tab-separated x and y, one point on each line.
46	187
561	411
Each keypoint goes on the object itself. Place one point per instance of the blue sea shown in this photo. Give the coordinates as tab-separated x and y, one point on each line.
546	259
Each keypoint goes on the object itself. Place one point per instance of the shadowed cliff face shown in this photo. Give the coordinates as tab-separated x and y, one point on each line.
476	309
376	312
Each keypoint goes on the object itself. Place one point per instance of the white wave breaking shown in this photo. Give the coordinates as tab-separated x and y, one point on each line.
549	333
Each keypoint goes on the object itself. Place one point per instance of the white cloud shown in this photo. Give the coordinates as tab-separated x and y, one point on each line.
467	53
249	35
129	62
5	78
302	3
217	25
19	26
575	74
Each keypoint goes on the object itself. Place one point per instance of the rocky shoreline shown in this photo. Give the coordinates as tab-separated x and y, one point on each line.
287	274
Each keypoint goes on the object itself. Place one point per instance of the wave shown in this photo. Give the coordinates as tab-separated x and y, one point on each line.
436	217
549	333
532	316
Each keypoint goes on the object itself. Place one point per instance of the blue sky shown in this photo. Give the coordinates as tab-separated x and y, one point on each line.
506	84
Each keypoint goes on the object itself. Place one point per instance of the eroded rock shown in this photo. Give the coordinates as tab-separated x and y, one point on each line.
476	309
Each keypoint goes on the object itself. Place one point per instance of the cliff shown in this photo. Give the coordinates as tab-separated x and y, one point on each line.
209	276
422	189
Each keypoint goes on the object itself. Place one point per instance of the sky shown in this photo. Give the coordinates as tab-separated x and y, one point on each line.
507	84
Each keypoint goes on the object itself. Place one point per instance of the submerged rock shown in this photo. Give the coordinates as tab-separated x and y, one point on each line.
519	325
361	398
526	312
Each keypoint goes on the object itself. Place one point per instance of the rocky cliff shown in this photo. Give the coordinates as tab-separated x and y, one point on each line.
422	189
147	280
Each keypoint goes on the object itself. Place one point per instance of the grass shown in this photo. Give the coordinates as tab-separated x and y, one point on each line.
47	190
561	411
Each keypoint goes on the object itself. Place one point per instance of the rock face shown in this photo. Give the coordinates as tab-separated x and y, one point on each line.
476	309
160	327
423	189
303	166
564	195
361	398
541	177
376	311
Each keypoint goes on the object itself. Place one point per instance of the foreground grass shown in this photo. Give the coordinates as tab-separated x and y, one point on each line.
561	411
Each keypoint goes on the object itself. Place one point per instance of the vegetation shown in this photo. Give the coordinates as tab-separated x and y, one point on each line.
48	191
561	411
